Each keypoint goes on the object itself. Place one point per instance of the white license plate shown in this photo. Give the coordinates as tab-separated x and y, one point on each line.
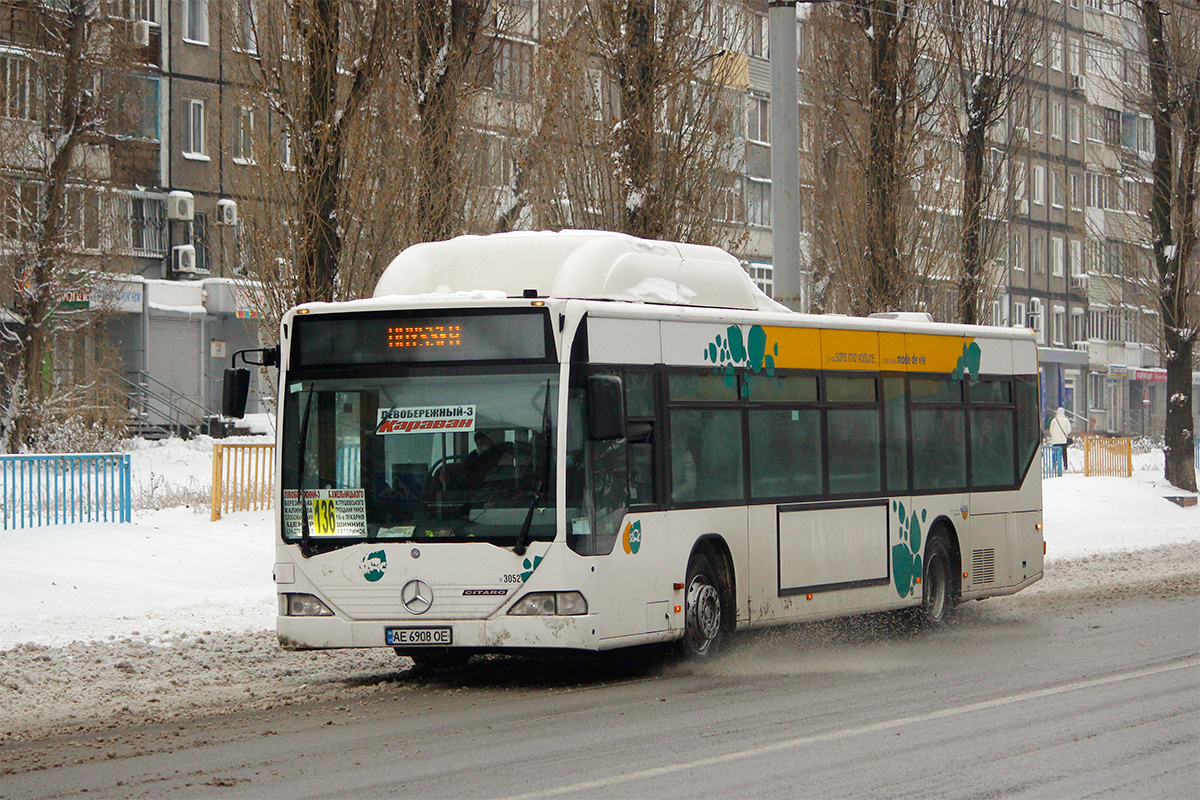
433	637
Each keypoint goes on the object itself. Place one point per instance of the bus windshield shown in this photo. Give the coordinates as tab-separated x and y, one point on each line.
428	456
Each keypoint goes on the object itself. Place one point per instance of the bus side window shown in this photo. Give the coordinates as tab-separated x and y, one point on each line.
896	435
639	431
1029	429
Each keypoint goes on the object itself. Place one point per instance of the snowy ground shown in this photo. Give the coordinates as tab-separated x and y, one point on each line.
108	623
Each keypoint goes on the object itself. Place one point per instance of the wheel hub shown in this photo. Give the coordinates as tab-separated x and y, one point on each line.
703	612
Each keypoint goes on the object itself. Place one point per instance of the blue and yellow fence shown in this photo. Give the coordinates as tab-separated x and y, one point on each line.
1052	462
38	490
1107	457
242	478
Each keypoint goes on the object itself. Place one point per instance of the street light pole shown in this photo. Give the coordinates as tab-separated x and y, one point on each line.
785	145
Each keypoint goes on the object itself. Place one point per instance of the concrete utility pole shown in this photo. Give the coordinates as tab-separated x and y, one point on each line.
785	145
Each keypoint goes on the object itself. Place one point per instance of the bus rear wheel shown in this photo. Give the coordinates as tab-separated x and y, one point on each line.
938	595
703	612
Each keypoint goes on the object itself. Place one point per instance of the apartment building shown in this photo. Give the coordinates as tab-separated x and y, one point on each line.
153	217
1075	254
1077	263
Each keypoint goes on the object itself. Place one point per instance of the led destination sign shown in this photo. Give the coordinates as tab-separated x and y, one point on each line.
331	340
425	336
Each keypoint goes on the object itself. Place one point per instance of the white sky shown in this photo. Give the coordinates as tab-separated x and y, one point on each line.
173	571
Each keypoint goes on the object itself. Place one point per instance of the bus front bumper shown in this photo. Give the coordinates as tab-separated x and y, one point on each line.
481	635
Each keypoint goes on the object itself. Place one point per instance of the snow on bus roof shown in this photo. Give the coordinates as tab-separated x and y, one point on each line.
590	265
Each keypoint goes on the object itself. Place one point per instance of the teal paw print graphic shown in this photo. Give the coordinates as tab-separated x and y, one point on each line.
906	555
530	566
968	362
374	565
733	350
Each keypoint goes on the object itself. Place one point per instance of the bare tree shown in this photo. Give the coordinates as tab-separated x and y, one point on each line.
53	142
1172	31
989	48
879	229
375	102
641	126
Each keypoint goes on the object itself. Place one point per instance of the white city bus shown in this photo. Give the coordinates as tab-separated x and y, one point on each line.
587	441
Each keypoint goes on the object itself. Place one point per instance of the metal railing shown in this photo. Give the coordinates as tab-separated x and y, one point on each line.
1052	462
156	404
1107	457
38	490
242	478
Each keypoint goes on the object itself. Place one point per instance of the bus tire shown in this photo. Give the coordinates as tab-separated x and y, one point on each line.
938	595
703	628
438	658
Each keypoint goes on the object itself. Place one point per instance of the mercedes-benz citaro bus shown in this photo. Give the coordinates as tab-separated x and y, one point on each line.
587	441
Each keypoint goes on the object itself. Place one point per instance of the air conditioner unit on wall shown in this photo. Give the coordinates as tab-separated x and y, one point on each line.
181	206
141	33
227	212
183	258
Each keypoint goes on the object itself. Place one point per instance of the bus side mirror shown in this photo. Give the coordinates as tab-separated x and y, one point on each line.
234	392
606	407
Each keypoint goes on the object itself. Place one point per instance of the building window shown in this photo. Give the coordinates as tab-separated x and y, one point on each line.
1058	256
1037	252
758	202
247	32
193	128
1111	122
1016	251
758	119
513	67
1060	326
285	150
199	240
1056	55
1078	326
147	225
1131	195
243	139
82	211
1035	115
1056	120
1076	198
1073	124
17	92
1056	190
763	275
1039	184
195	21
1018	315
1034	320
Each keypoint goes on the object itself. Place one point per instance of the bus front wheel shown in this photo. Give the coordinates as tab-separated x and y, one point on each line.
938	595
703	614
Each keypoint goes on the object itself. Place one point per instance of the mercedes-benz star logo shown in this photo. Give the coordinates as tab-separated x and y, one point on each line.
417	597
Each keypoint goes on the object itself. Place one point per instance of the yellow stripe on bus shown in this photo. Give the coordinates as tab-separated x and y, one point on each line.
816	348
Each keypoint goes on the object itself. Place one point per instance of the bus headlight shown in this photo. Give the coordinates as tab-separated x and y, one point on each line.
305	605
549	604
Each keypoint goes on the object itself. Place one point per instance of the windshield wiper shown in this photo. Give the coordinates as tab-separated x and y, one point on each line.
522	543
306	548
